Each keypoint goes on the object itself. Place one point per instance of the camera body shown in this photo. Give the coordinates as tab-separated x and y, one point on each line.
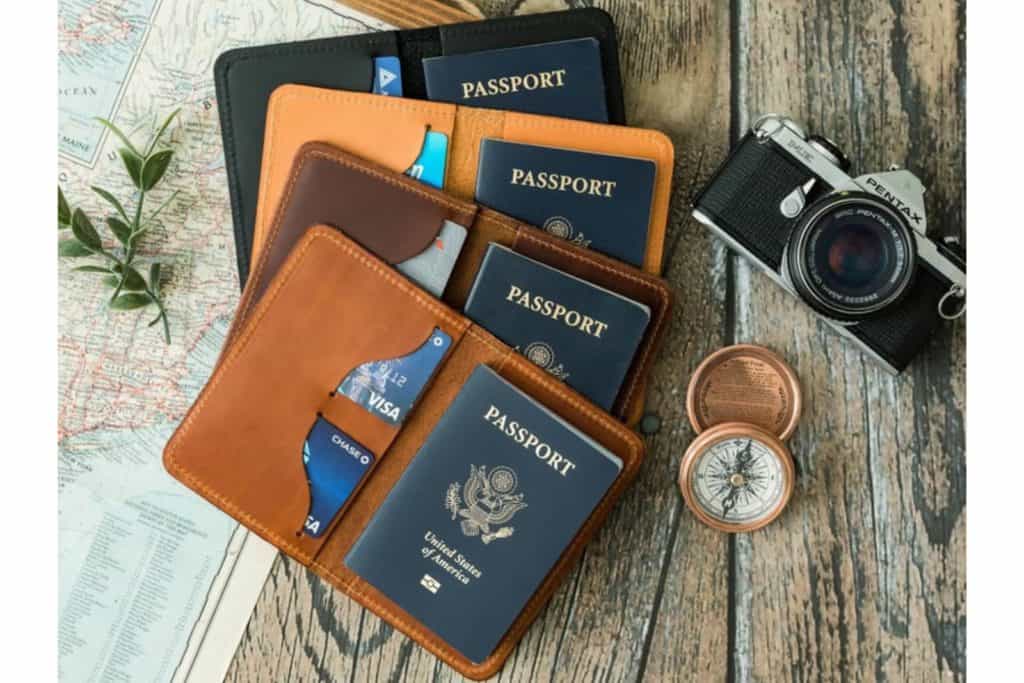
854	249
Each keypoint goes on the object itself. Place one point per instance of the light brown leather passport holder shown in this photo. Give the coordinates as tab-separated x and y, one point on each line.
396	217
390	131
331	307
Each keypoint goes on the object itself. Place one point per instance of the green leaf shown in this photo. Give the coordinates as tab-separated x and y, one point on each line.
132	164
92	269
112	200
72	248
81	226
154	278
127	302
160	132
120	229
112	281
133	281
117	131
63	209
154	168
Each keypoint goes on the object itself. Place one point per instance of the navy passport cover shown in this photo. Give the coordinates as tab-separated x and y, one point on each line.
599	201
493	498
544	314
563	78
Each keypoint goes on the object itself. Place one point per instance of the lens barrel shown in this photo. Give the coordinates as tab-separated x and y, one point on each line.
850	256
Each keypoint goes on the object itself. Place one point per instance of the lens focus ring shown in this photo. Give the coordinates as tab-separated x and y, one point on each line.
851	256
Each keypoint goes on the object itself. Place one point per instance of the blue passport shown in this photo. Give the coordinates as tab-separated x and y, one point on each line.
579	332
480	516
563	78
600	201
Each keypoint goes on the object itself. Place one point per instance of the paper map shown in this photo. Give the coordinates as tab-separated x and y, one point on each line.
151	584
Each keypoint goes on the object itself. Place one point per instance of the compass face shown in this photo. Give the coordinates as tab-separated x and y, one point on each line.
738	482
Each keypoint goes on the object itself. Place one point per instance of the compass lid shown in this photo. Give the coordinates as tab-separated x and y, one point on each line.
745	383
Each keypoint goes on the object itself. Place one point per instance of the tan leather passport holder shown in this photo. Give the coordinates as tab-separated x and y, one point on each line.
396	217
330	307
390	131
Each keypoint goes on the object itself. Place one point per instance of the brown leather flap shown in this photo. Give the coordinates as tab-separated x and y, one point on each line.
240	445
389	214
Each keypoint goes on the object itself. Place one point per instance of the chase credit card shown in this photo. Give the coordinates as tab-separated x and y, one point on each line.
335	463
389	388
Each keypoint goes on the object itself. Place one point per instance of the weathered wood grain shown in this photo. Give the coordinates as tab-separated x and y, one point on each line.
863	578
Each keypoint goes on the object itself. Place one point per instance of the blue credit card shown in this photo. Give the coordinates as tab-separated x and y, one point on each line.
429	166
389	388
335	463
387	76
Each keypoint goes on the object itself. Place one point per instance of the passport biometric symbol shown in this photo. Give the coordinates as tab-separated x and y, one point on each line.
489	500
561	227
541	354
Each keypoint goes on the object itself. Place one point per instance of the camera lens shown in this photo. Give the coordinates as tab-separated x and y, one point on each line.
851	257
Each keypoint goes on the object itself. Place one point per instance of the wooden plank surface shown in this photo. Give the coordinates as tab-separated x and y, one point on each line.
863	577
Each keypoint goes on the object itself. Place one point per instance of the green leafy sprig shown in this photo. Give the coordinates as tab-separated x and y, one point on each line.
118	269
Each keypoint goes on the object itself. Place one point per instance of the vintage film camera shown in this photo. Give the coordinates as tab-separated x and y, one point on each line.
853	249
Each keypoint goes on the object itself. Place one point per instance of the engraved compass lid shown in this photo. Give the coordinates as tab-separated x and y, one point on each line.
736	477
745	383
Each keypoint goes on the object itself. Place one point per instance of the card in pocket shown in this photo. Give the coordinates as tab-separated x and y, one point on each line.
563	78
335	464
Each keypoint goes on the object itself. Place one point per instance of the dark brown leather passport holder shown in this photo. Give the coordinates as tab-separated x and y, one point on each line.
329	307
396	217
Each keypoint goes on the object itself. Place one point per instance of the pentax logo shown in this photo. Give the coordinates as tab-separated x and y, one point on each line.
430	583
898	203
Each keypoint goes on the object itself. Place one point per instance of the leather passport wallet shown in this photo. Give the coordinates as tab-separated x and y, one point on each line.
246	77
396	217
390	132
331	307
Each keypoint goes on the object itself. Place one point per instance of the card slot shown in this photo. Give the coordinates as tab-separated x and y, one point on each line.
240	446
354	420
475	347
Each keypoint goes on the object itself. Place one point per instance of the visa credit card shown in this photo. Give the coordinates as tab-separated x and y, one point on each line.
335	463
429	165
389	388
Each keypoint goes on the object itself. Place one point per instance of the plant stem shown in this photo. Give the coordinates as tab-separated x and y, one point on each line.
163	312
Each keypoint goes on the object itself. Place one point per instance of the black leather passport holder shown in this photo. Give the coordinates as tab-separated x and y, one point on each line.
246	77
